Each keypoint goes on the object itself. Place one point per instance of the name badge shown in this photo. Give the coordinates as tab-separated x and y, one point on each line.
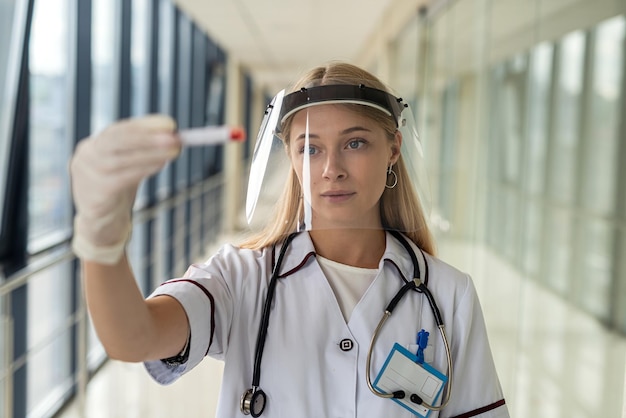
401	371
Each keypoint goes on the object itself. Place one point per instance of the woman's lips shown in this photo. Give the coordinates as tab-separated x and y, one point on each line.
337	196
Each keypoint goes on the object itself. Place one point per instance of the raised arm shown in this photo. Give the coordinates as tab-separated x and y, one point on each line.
106	170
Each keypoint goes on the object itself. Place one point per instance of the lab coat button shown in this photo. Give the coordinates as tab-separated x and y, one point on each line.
346	344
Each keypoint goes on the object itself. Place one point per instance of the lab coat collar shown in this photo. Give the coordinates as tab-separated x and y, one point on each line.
397	254
301	251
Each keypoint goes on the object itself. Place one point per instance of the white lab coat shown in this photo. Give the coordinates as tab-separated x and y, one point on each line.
304	372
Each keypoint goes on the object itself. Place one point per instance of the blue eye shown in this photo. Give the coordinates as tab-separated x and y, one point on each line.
312	150
356	143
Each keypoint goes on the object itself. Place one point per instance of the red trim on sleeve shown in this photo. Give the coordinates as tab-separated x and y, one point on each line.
210	296
481	410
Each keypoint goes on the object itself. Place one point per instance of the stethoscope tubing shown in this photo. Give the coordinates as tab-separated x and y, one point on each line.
265	316
418	285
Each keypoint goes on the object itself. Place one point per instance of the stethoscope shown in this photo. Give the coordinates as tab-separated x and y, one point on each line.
254	400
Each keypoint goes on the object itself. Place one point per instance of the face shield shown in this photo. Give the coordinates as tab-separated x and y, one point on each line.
338	156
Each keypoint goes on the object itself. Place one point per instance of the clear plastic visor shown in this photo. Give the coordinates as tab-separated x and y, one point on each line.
338	157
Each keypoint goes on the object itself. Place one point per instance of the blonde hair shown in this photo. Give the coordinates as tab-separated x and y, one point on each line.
400	208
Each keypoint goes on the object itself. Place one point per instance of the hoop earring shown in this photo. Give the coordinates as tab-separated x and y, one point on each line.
395	178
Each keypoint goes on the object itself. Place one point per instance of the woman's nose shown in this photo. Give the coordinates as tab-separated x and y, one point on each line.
334	168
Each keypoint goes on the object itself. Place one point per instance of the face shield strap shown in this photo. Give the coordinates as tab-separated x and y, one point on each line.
341	93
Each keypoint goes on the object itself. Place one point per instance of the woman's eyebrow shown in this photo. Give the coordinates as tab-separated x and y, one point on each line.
355	129
344	132
304	135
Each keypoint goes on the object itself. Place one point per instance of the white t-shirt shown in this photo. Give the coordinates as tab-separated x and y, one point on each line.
349	283
314	361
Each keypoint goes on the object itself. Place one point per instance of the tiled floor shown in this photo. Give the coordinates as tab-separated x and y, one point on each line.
553	360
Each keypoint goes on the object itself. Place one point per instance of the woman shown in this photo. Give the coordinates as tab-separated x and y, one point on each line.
293	309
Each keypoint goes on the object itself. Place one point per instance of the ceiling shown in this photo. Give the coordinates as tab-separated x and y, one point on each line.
276	40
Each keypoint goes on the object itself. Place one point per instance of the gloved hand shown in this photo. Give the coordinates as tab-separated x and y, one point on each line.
105	171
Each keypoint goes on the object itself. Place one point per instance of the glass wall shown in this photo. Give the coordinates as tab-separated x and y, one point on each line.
165	73
113	51
183	116
7	42
105	64
140	96
12	23
50	306
105	29
5	332
537	123
141	30
600	181
552	131
140	77
521	110
50	134
49	300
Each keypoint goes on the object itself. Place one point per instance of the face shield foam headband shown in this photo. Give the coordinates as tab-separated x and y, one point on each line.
341	94
271	165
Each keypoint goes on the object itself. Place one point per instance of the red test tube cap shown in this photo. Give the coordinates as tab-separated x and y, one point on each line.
237	133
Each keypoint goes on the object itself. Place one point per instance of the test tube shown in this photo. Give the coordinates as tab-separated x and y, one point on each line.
211	135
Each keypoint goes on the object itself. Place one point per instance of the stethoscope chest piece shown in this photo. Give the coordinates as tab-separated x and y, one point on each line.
253	402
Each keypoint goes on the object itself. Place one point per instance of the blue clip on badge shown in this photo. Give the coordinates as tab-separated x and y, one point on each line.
422	343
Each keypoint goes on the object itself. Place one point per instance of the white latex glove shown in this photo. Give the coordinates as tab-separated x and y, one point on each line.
105	171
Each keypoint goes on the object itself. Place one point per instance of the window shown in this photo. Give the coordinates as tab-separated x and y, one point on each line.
538	115
567	113
49	207
104	98
183	94
141	26
596	243
4	358
12	22
166	62
596	236
539	84
49	204
600	169
508	145
406	68
137	255
198	99
140	56
49	337
105	61
448	154
564	149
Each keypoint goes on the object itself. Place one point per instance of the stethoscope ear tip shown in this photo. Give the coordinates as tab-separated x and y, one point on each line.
399	394
416	399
